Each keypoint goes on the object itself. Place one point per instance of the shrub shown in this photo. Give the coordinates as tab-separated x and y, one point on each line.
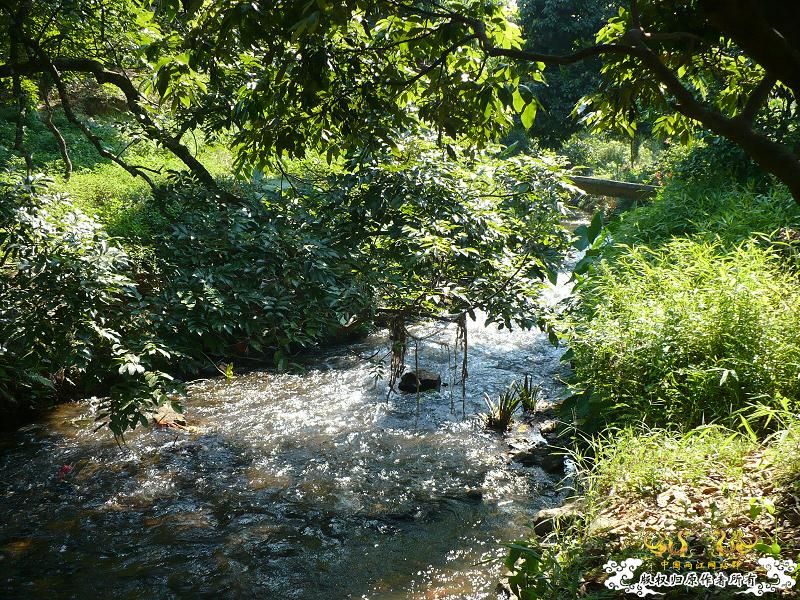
709	159
611	158
686	334
200	280
65	325
253	278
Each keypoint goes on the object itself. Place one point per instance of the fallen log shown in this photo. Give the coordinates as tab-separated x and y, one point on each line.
615	189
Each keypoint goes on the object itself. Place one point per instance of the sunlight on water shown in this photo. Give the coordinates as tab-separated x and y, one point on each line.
291	486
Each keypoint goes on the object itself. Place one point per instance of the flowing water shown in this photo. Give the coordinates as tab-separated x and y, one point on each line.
291	486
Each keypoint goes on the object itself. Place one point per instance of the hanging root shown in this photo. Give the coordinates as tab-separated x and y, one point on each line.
398	335
461	342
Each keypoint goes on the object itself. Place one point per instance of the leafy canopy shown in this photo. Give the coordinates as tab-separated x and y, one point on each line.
348	76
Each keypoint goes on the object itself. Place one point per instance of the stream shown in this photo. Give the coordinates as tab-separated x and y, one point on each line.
287	487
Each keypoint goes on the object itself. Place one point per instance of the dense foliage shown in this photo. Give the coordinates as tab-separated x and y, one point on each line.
298	261
685	378
308	166
450	235
69	317
687	309
684	335
705	210
562	26
348	77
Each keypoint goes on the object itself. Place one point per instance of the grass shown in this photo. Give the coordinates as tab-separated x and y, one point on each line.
687	334
644	463
643	487
501	411
530	395
690	316
728	215
98	187
526	396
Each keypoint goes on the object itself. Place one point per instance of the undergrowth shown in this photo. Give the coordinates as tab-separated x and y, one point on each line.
686	383
686	334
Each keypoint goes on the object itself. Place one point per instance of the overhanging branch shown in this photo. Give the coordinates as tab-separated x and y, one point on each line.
774	157
758	98
479	29
44	64
66	106
560	59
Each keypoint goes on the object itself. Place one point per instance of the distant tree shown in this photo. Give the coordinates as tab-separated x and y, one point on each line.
563	26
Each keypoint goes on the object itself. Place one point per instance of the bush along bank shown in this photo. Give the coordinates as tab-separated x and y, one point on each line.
80	316
684	417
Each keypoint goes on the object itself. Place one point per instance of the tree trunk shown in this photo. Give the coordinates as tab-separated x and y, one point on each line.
614	189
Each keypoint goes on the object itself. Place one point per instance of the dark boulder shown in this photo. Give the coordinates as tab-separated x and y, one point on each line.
530	450
548	458
422	379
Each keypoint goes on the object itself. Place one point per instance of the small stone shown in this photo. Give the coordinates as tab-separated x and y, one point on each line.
421	380
601	524
548	427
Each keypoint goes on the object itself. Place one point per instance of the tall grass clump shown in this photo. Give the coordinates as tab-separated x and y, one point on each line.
644	463
729	214
688	333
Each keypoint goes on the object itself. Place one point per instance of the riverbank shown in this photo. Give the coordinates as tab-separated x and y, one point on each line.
683	344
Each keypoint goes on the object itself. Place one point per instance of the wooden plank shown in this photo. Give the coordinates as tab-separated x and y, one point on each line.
615	189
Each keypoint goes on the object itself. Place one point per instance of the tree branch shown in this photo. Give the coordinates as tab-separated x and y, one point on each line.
758	98
95	140
561	59
479	29
673	36
48	121
635	19
66	106
132	97
435	64
16	85
745	22
773	156
19	130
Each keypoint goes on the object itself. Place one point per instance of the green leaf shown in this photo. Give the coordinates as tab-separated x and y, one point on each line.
528	115
518	101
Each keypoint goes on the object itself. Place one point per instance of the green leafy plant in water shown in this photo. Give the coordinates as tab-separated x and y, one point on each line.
501	411
530	395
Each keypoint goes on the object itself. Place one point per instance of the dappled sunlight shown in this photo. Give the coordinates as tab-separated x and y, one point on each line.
296	483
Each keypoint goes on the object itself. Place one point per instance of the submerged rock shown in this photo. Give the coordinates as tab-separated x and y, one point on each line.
547	457
531	450
422	379
168	417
